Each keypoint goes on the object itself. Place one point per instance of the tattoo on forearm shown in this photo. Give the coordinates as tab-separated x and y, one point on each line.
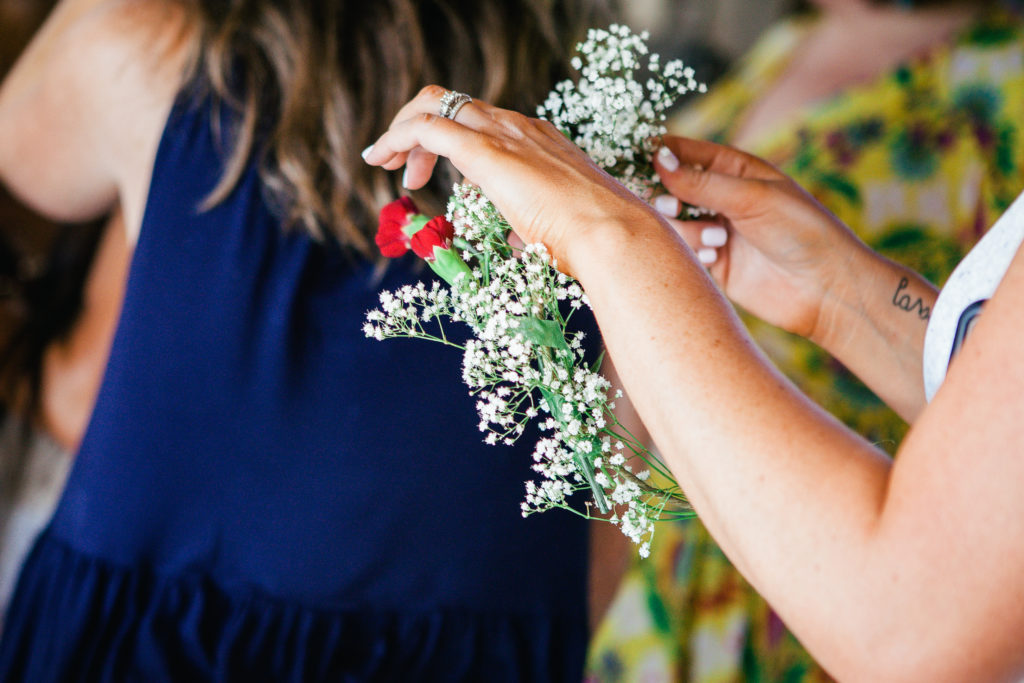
903	301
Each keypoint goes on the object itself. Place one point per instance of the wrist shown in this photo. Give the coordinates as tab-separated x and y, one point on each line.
870	289
873	320
598	243
845	300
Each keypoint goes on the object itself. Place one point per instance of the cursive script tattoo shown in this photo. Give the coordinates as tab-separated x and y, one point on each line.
904	302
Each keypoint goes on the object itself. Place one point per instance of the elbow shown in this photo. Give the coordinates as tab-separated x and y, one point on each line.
896	660
875	667
895	647
60	202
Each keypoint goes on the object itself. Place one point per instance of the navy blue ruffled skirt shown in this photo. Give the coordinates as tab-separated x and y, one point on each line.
79	618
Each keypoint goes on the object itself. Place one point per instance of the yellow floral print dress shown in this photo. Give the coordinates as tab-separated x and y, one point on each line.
919	163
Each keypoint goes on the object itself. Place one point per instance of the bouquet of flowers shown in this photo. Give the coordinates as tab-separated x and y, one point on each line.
522	362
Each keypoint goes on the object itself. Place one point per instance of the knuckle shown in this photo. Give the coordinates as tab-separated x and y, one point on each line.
503	151
547	127
425	118
760	191
696	179
431	91
496	147
511	123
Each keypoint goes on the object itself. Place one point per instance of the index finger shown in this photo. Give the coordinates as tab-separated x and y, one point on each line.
723	193
419	162
434	134
720	158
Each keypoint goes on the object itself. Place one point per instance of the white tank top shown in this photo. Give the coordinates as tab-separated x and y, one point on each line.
962	298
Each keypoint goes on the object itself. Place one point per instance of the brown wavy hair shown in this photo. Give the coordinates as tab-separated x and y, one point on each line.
315	82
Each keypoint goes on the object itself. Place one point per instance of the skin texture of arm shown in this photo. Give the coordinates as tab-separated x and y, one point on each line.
887	572
73	367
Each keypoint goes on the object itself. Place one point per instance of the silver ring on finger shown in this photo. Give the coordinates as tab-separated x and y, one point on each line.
452	102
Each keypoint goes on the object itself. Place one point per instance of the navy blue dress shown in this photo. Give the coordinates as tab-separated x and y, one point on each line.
263	494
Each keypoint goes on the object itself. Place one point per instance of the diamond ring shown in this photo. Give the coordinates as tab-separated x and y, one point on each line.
452	102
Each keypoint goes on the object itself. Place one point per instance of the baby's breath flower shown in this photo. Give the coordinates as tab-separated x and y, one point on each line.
609	113
522	363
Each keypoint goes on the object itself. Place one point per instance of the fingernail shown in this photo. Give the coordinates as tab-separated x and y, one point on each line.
667	205
668	159
366	152
714	237
405	178
707	256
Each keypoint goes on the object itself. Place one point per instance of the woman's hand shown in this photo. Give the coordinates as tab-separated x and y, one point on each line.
784	255
546	187
778	253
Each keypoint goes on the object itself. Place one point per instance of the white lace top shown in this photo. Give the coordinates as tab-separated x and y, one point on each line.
971	284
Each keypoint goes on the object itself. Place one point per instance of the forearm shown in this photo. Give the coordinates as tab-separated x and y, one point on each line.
610	555
775	479
873	320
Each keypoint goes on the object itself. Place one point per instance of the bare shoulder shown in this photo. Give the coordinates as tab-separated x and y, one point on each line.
82	110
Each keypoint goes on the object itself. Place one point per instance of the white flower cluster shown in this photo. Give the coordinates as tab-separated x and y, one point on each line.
522	363
610	114
406	312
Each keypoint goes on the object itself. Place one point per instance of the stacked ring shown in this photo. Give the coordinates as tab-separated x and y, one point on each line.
452	102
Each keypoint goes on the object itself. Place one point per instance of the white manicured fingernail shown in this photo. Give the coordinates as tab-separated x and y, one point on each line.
714	237
405	178
366	152
668	159
667	205
707	256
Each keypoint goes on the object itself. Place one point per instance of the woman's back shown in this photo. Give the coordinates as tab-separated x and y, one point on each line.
255	462
263	493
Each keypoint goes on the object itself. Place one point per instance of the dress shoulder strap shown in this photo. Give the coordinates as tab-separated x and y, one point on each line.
965	293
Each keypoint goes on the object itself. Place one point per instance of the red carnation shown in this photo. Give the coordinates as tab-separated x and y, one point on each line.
438	232
391	237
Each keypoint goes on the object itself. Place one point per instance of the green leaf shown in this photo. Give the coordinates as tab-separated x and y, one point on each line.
584	466
461	244
555	403
447	263
416	223
1005	147
542	332
596	365
586	469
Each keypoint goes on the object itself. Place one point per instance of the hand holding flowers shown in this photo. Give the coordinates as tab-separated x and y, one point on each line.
523	363
784	252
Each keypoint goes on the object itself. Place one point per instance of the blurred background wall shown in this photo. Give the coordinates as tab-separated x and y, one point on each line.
730	26
706	34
